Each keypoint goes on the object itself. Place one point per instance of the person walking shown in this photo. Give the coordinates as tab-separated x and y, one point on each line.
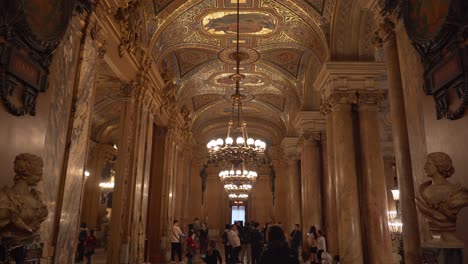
212	254
191	246
277	250
234	241
312	244
90	245
83	235
227	246
296	238
256	243
176	237
203	238
246	237
321	245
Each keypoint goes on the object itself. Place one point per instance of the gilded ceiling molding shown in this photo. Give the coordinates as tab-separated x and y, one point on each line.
199	46
351	32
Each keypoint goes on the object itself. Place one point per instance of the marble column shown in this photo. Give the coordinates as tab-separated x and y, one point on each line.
329	186
309	125
379	248
79	126
123	176
292	156
347	192
154	230
409	216
311	182
92	209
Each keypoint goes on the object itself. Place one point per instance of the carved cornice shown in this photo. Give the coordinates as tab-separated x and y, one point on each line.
275	152
307	122
291	149
340	83
371	98
131	22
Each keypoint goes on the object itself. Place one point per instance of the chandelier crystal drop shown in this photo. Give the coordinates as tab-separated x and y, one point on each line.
237	148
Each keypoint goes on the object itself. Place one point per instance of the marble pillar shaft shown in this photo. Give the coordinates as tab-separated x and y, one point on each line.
331	219
311	184
347	193
72	182
294	194
123	174
402	153
379	248
154	231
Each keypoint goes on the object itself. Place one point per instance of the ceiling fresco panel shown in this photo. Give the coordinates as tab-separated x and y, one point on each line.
288	60
277	41
200	101
225	22
275	100
189	59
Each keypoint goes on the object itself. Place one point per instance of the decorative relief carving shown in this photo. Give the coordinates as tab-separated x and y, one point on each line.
370	98
131	22
439	32
30	33
341	98
440	201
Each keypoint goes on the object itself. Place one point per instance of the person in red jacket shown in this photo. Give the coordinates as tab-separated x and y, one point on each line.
90	245
191	246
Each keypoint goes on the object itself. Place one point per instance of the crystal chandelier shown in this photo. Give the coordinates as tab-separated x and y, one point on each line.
240	196
243	150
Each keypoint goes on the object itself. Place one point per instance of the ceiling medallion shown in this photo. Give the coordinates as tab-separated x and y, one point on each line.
247	97
246	55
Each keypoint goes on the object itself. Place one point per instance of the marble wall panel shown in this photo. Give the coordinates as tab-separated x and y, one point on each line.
72	181
426	133
260	206
145	187
136	186
61	85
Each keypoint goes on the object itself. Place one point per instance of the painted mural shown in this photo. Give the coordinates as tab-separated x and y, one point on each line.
256	23
250	80
427	16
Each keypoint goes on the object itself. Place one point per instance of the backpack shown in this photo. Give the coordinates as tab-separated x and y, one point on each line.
83	235
224	238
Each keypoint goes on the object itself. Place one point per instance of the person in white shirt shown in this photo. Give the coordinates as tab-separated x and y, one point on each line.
234	241
321	245
176	236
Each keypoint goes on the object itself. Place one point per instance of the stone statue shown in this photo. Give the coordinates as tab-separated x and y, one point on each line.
204	177
439	200
21	208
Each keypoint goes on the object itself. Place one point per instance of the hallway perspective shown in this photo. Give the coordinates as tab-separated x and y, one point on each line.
284	131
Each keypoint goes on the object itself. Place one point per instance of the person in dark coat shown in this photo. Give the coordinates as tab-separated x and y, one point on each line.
212	254
256	244
278	251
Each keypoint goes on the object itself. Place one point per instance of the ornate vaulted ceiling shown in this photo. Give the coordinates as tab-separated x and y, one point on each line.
283	43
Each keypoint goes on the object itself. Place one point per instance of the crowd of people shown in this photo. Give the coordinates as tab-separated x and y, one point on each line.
86	244
251	244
